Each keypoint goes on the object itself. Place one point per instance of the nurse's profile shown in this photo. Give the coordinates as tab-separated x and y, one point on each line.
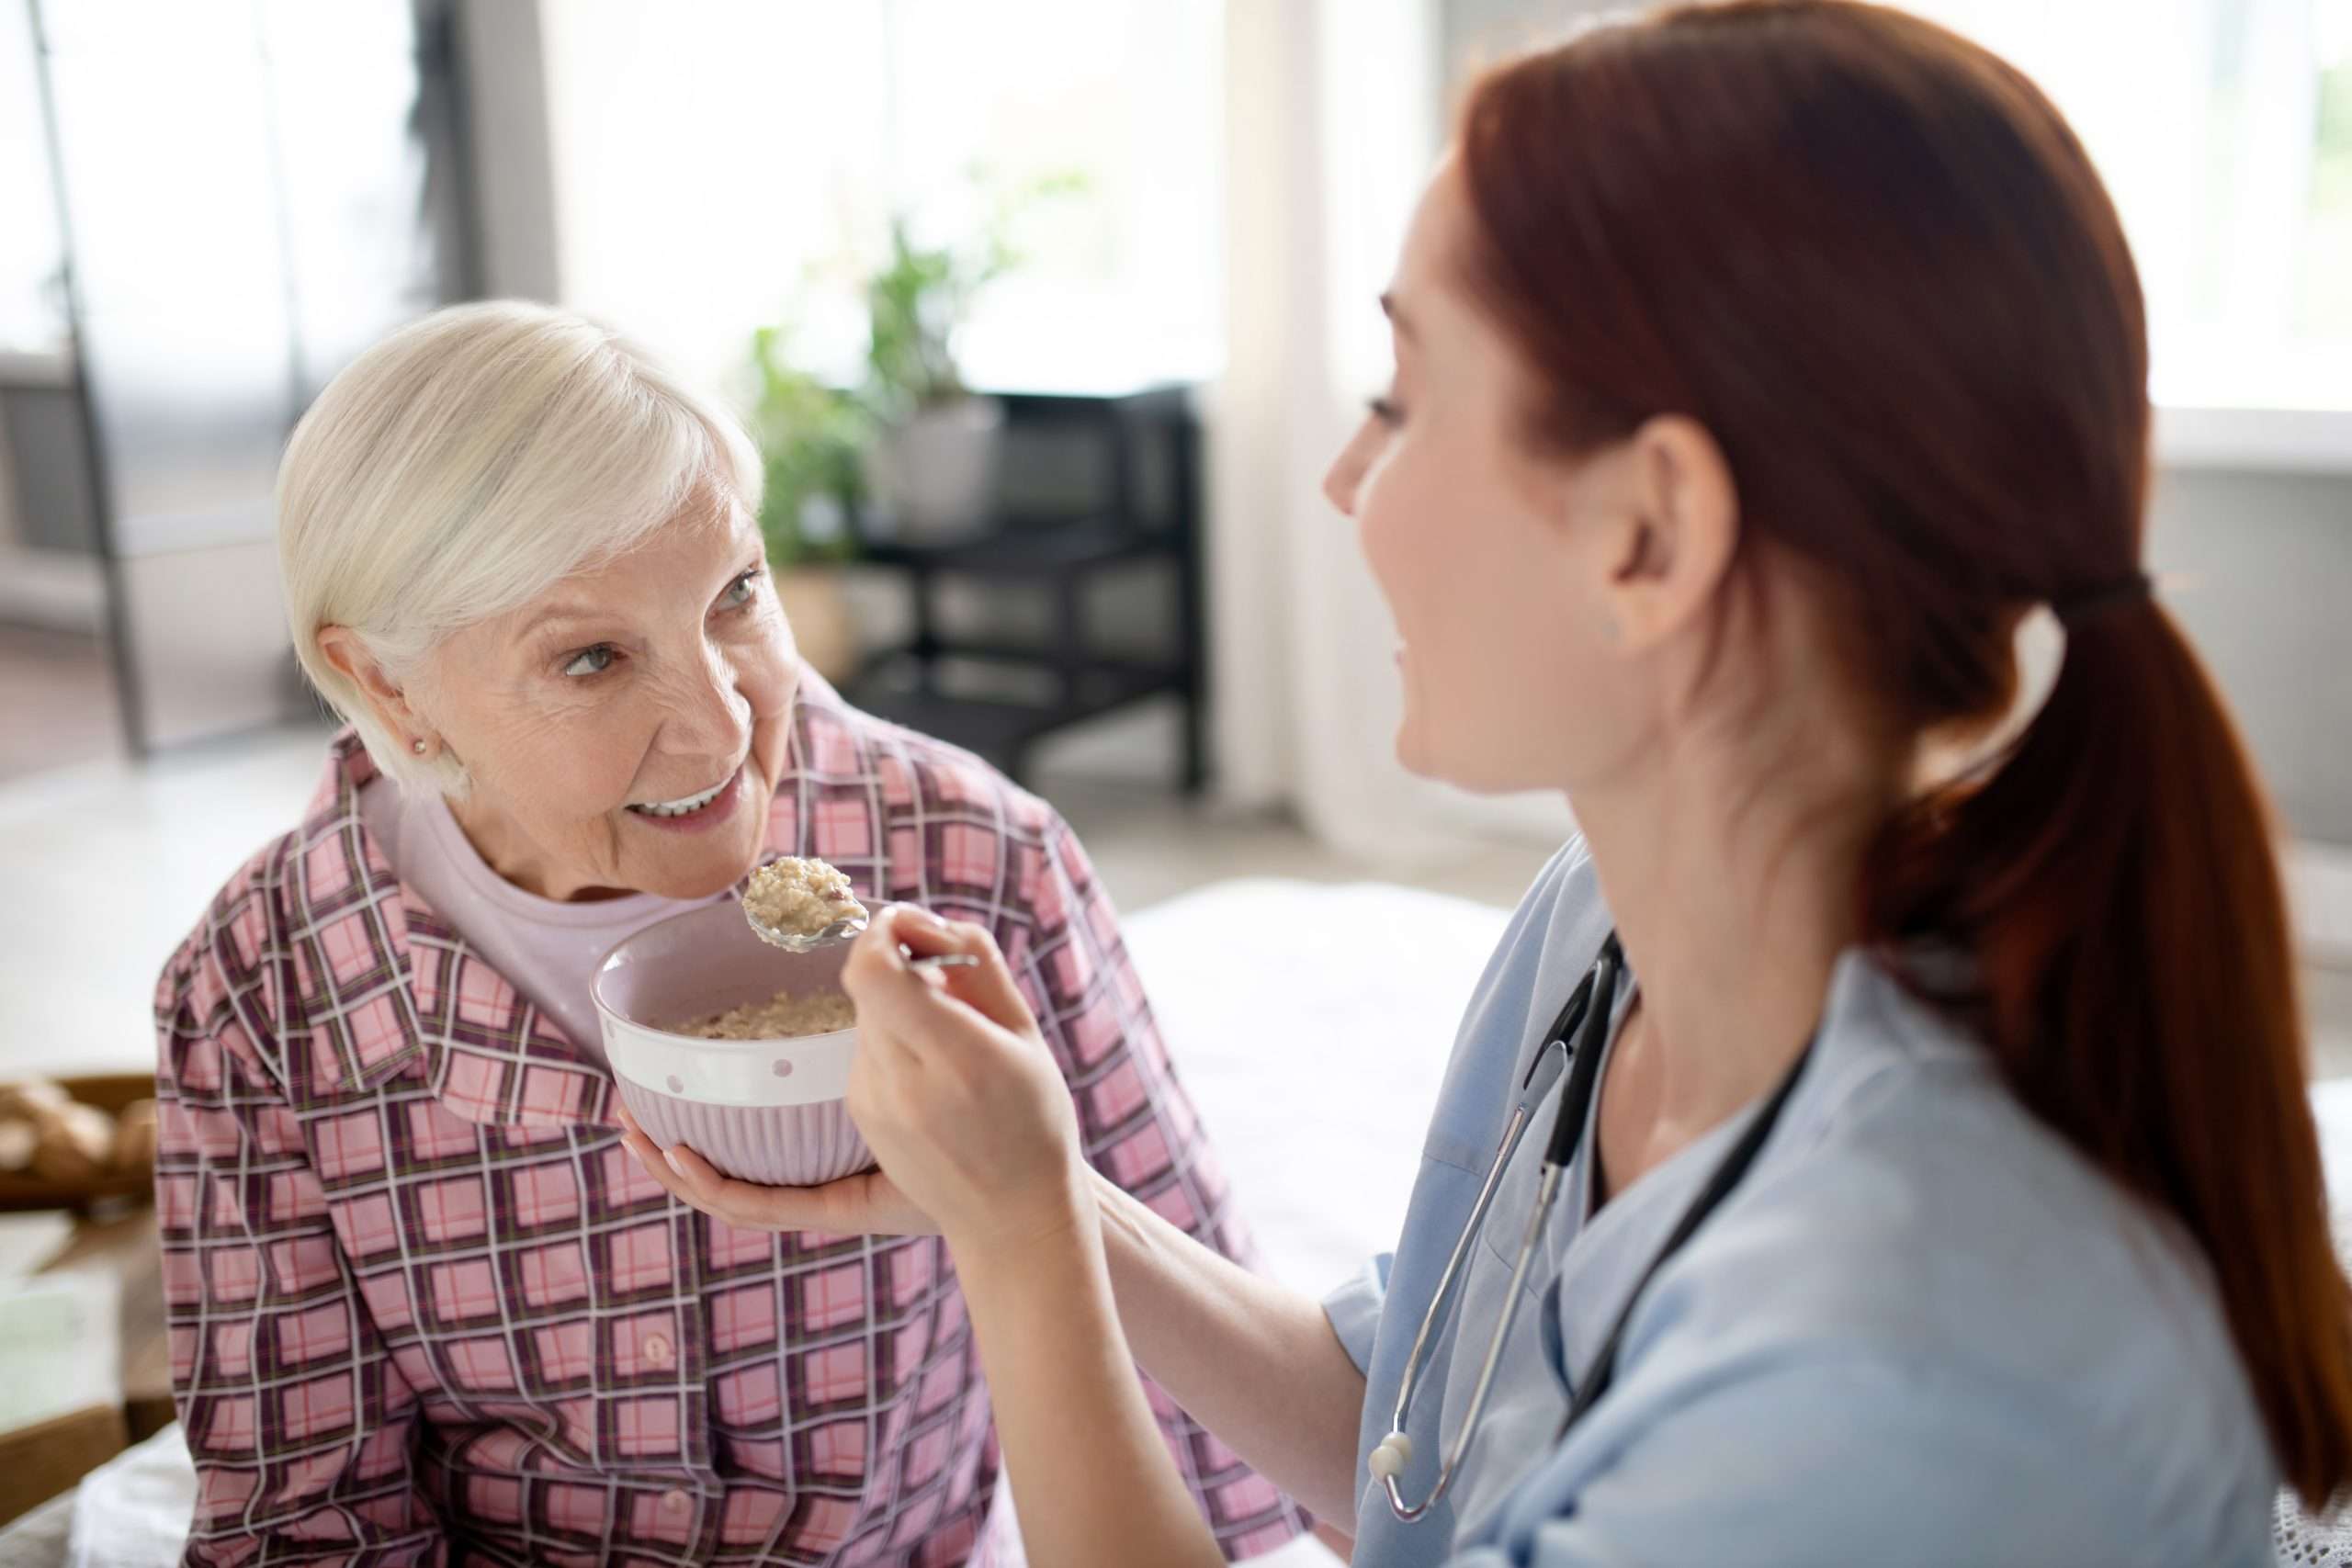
1880	1136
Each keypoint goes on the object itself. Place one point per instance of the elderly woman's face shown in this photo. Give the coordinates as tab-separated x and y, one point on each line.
626	732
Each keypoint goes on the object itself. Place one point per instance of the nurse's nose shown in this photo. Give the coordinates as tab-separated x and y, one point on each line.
1346	473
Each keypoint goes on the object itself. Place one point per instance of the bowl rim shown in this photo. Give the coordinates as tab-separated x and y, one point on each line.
611	960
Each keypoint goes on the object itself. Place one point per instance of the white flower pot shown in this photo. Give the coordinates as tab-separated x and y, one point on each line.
932	475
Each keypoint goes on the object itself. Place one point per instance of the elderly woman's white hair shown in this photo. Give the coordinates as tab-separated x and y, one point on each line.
461	467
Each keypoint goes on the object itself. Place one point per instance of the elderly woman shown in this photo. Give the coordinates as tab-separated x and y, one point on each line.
423	1305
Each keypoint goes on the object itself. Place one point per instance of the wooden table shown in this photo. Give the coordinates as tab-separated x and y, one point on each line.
40	1461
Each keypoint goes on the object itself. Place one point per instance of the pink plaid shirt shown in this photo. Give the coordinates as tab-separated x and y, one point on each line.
424	1307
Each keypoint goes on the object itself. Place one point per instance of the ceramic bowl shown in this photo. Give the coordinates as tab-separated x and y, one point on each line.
765	1110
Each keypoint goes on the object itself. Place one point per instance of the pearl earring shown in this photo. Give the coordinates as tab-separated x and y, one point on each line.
417	747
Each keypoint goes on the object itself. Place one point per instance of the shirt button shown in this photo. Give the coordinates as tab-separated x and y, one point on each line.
674	1501
657	1349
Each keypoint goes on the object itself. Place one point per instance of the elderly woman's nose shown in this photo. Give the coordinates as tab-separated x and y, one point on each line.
708	709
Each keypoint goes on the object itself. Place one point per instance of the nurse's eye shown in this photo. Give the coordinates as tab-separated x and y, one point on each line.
590	660
1387	411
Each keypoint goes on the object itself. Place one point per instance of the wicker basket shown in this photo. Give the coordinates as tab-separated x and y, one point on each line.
111	1092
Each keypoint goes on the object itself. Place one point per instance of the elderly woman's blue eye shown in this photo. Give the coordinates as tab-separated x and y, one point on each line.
744	590
590	660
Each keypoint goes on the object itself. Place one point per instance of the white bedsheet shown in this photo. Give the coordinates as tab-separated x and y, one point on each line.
134	1509
1310	1023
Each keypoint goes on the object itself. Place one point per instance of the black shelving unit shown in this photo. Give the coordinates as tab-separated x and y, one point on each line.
1087	486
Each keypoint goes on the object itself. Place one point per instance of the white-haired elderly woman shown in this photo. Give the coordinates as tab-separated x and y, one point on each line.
424	1304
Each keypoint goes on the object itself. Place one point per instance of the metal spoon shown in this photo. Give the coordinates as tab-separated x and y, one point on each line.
846	929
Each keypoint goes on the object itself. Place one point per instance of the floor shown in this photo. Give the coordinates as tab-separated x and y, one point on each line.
106	865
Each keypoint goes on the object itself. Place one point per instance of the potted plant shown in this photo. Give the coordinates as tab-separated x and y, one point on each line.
810	436
932	466
911	437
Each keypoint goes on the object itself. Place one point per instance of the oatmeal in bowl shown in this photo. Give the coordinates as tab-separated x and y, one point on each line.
788	1015
738	1049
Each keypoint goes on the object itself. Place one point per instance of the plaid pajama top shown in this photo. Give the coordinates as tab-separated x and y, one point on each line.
424	1307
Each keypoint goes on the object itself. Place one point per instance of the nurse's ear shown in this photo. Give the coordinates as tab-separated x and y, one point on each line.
1675	528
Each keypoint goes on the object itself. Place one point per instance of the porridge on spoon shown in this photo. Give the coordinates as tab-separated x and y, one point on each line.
796	897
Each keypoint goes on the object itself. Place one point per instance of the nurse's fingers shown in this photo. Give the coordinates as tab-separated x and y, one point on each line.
868	1203
911	1012
985	986
648	1155
741	1204
668	1169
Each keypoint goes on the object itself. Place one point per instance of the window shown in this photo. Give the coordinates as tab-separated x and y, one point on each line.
32	251
2224	129
710	154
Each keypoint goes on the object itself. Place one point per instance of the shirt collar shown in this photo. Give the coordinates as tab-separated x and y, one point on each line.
487	1053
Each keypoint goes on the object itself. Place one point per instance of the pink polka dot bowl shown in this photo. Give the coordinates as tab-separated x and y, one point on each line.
763	1111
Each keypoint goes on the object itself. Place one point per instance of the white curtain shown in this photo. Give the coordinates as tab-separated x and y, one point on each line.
1331	125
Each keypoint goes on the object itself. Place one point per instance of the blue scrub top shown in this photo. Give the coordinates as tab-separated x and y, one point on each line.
1923	1330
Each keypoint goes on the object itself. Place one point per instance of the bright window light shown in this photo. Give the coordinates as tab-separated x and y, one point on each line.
2224	129
711	154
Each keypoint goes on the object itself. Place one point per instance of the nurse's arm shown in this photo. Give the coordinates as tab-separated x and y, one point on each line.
1092	1479
1250	1359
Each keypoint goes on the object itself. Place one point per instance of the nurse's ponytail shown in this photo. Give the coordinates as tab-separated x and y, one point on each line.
1877	265
2116	882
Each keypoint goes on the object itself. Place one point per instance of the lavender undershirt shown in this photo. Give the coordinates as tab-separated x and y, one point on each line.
548	950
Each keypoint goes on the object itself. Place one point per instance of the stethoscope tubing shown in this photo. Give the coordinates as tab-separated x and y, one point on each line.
1587	1010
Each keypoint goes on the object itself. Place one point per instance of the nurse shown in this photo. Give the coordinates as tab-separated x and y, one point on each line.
1944	1189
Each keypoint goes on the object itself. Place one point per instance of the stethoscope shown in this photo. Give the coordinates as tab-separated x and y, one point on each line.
1572	1045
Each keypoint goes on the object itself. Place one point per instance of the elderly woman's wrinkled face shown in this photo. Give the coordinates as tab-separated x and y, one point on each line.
626	732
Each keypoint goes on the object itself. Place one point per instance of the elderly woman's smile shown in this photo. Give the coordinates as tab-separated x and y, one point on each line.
695	811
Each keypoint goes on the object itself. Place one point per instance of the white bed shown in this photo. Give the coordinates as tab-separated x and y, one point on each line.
1310	1023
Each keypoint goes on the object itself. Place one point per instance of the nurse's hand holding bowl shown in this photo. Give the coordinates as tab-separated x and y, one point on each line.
1937	1182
